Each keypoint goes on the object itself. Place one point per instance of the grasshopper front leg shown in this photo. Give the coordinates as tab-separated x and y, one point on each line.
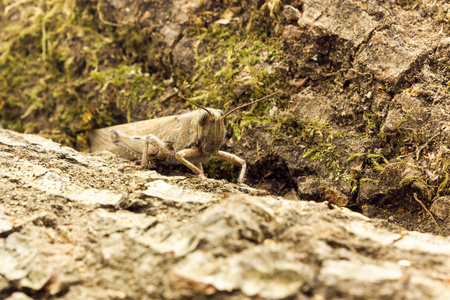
165	152
183	154
235	160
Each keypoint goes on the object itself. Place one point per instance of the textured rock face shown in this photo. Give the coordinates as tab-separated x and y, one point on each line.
368	130
363	121
72	225
383	61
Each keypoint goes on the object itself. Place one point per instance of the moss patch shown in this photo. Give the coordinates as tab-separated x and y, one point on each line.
61	68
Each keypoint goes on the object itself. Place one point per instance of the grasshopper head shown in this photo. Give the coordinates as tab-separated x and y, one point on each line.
211	130
210	124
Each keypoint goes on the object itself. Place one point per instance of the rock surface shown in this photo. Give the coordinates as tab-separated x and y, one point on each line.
72	225
363	121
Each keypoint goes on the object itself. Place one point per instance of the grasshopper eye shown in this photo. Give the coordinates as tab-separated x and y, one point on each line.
203	119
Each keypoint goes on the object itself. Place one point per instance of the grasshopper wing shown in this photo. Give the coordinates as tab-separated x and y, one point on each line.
100	139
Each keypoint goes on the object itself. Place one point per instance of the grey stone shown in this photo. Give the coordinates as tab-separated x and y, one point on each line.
173	194
19	296
441	207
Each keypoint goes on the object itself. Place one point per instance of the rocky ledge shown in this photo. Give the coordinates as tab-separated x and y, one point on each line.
71	224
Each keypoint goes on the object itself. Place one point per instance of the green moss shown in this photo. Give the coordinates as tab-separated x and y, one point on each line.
443	187
236	63
409	180
61	68
316	138
129	85
305	130
375	161
368	117
374	181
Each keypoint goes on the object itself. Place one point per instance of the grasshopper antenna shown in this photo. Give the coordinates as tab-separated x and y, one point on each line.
196	104
242	106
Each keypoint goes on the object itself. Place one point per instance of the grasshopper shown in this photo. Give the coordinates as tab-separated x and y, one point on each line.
191	139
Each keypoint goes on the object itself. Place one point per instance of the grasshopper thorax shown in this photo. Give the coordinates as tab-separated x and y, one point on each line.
211	129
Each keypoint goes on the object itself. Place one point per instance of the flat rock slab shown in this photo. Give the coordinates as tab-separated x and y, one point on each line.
343	18
394	40
170	193
64	233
